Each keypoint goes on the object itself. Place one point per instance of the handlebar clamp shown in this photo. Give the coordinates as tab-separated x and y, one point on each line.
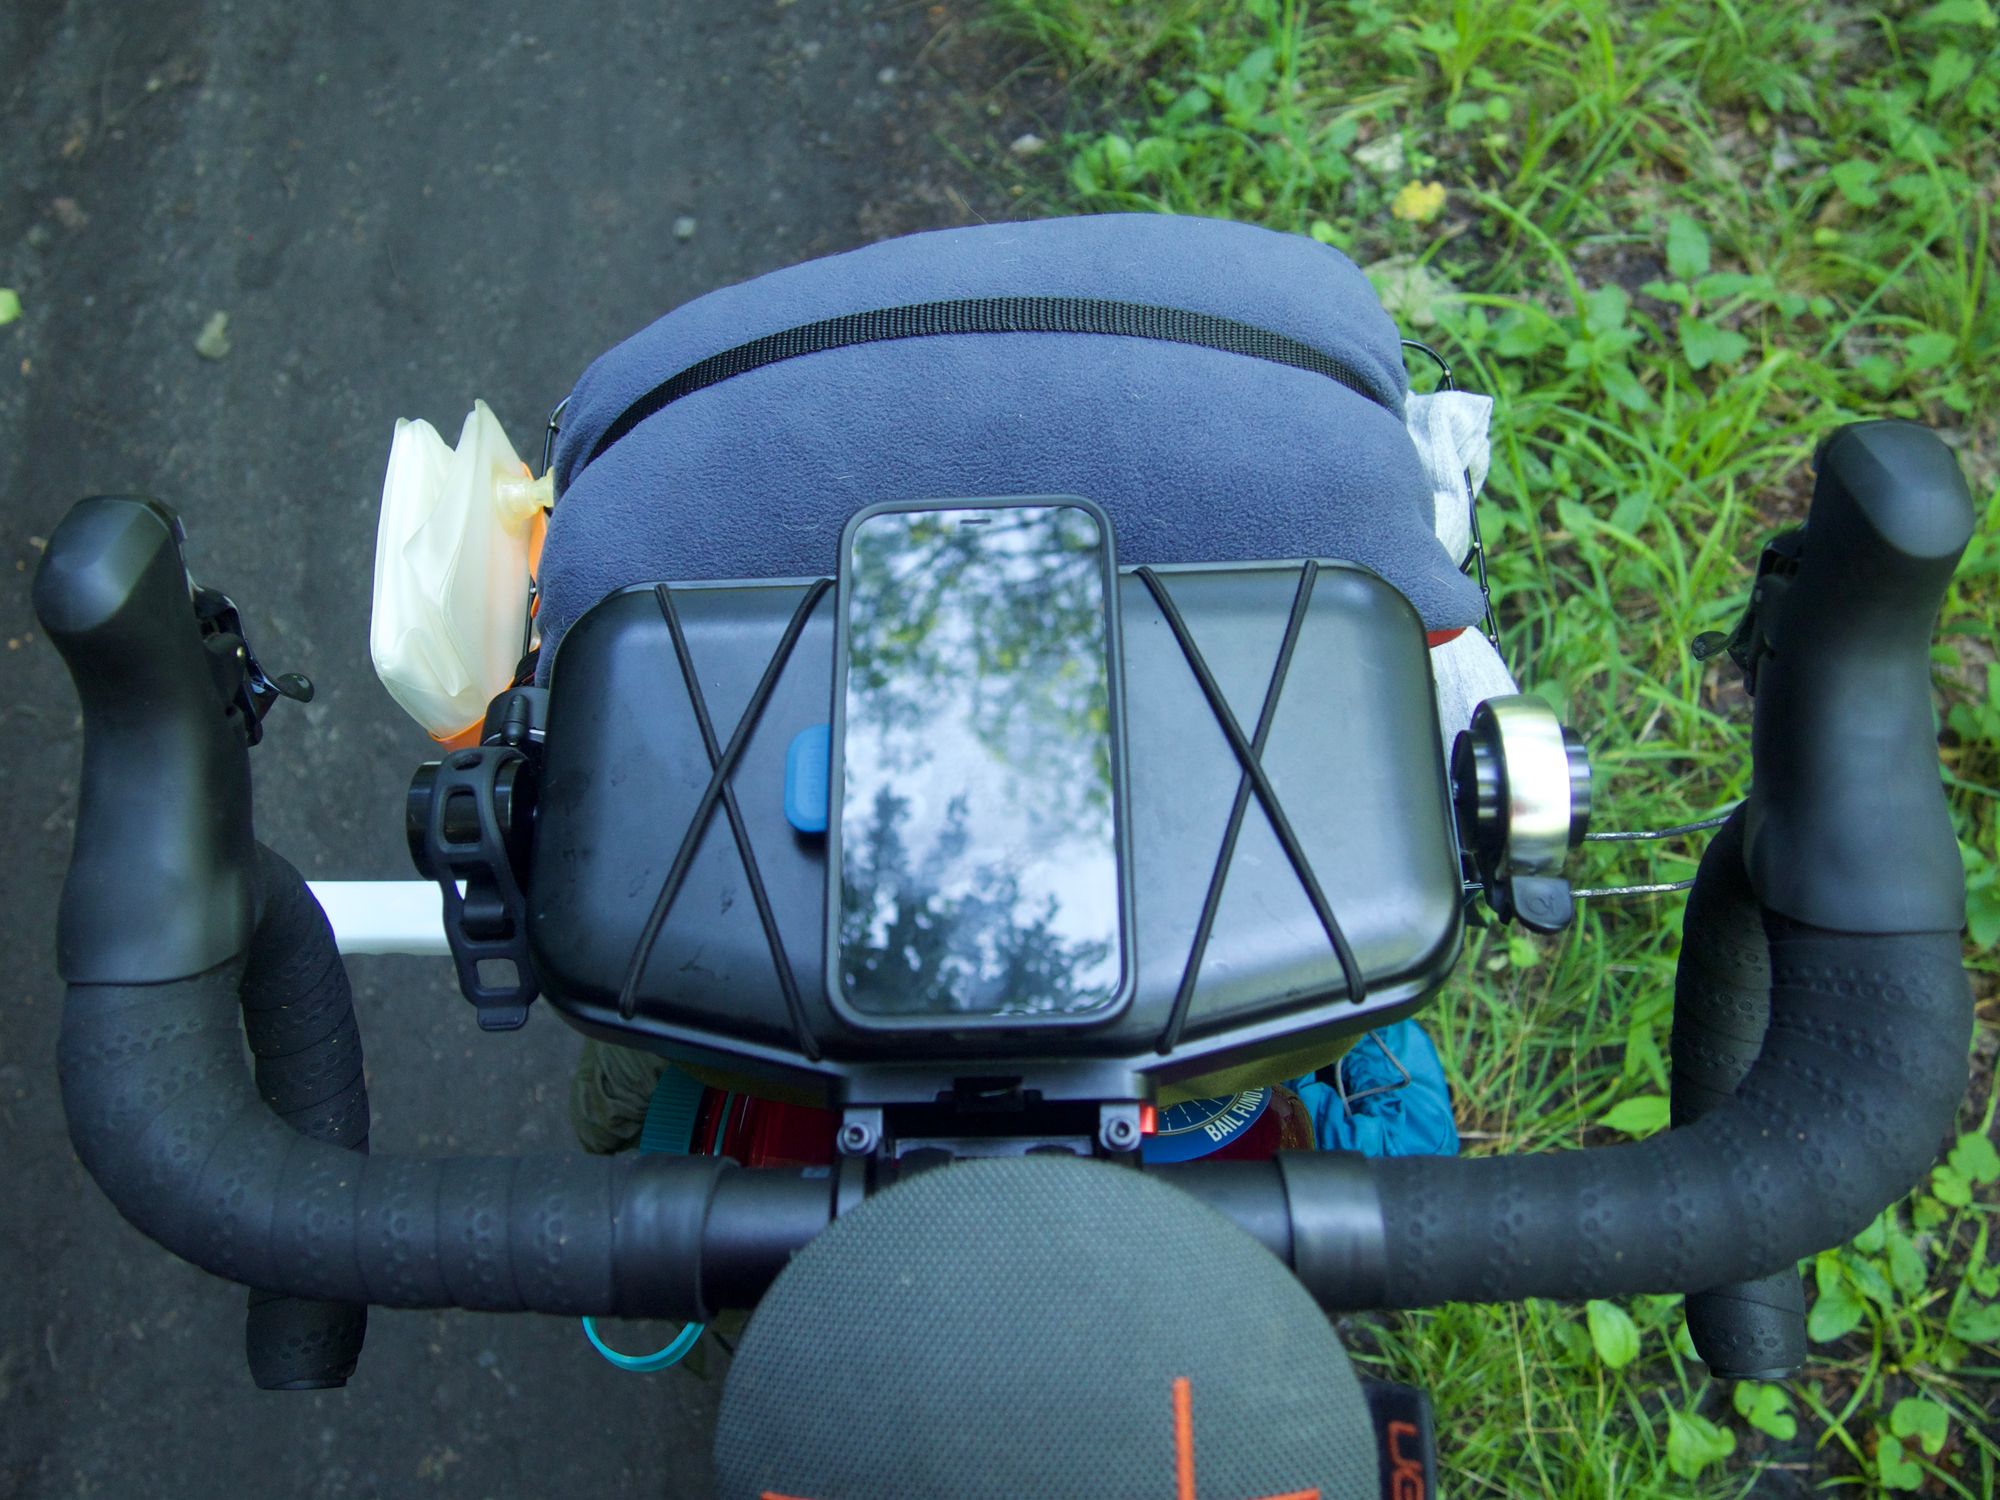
464	813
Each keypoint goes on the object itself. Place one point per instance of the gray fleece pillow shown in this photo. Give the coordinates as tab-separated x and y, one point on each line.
1227	393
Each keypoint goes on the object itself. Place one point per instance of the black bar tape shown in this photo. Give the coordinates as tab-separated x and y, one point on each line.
1746	1330
1751	1330
298	1016
1722	987
166	1118
1338	1235
1863	1066
1250	1194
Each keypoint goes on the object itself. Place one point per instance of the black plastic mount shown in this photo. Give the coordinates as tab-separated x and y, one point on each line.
462	814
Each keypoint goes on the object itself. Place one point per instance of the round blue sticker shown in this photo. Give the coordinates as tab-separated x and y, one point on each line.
1196	1127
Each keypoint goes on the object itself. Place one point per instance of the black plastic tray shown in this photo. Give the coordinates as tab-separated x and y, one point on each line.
1354	759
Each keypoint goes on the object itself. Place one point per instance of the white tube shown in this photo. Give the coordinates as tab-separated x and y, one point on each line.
383	916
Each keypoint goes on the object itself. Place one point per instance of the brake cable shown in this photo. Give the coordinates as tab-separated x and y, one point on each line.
1632	836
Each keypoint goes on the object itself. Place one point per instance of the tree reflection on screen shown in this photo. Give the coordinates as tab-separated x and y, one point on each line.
978	861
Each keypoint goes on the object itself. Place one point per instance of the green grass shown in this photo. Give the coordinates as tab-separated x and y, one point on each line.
1679	242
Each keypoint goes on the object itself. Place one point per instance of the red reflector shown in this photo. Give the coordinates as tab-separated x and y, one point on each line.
1149	1120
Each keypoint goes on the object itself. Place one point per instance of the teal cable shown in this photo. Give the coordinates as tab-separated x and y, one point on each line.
668	1106
644	1364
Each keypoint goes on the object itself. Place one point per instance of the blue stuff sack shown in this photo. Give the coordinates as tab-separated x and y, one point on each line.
1388	1116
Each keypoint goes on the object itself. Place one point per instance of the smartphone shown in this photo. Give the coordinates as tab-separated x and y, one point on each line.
978	860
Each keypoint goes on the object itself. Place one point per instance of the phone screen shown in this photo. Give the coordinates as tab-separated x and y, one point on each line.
979	851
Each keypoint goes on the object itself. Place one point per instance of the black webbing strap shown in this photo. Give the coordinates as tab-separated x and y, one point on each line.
722	763
1249	754
1091	315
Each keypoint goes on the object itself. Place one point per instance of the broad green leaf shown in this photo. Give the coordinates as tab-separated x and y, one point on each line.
1575	1341
1880	371
1923	1419
1984	1280
1919	189
1627	515
1875	1235
1189	107
1156	154
1926	351
1638	1117
1105	163
1582	527
1974	1157
1766	1408
1694	1442
1604	309
1667	291
1624	387
10	305
1870	1280
1608	345
1949	1186
1642	1044
1436	37
1612	1333
1723	284
1258	66
1836	1312
1906	1266
1896	1469
1519	335
1856	182
1957	13
1687	248
1684	1341
1976	1322
1705	344
1950	68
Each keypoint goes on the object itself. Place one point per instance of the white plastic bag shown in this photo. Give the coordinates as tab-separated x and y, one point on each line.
454	554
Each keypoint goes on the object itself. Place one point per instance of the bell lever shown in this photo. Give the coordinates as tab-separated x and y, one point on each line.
250	691
1747	644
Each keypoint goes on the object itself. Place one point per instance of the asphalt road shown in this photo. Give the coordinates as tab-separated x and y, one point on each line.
399	208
